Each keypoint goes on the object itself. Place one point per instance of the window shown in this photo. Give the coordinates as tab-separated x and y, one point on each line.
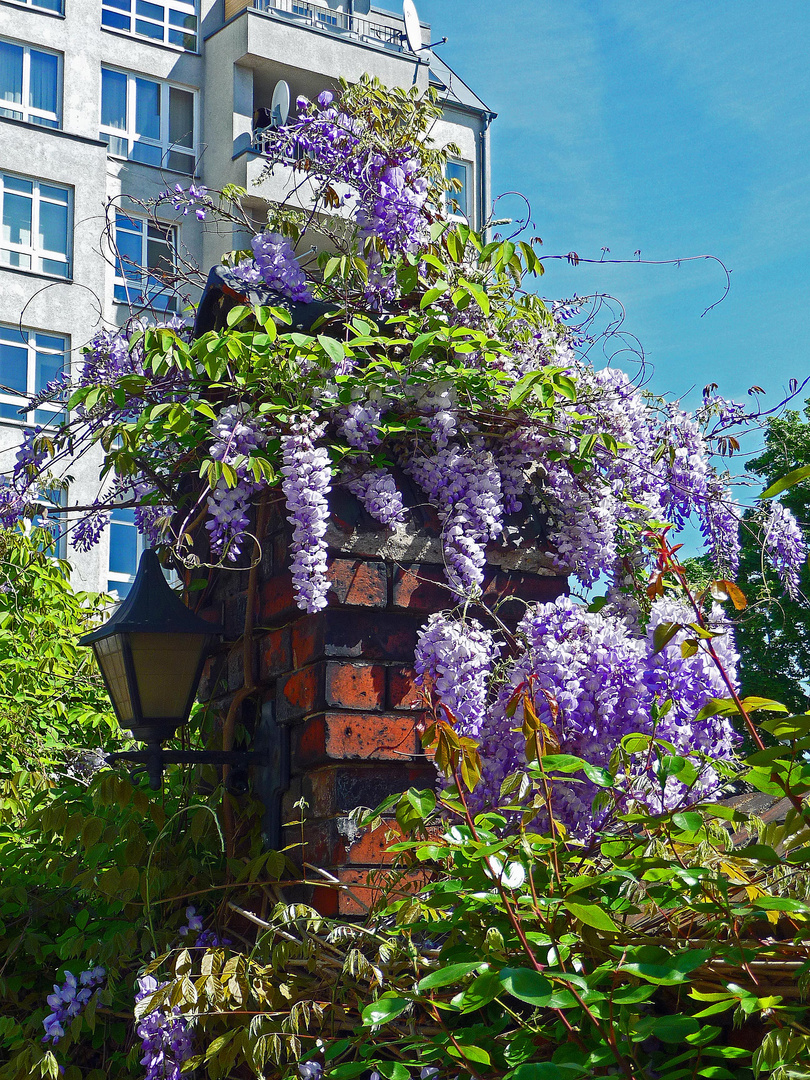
148	121
126	545
45	5
29	84
174	22
50	515
36	225
29	360
144	262
458	202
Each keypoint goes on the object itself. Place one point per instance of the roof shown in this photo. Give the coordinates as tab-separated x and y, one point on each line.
456	90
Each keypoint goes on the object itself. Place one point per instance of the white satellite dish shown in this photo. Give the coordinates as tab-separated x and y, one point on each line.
281	103
362	7
413	30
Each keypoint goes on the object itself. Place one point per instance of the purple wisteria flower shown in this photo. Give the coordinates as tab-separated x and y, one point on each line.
377	491
454	659
276	264
785	545
307	482
68	1000
165	1036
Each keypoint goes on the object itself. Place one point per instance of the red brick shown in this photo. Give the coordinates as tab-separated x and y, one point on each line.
371	846
364	890
275	653
355	686
362	634
421	587
277	598
403	693
298	694
529	588
355	737
358	583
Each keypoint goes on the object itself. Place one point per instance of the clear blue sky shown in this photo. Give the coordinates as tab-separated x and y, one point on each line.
679	128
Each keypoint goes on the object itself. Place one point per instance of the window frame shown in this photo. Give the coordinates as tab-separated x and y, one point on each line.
36	254
33	417
120	281
464	213
116	577
168	27
40	7
129	135
30	115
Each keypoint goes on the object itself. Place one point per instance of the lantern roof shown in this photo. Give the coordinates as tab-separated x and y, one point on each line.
151	606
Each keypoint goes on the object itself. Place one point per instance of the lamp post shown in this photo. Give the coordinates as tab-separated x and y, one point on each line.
151	654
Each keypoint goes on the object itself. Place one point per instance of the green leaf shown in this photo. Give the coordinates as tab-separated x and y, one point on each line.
384	1009
592	915
236	314
469	1053
527	985
689	822
433	294
445	976
664	633
392	1070
333	349
423	801
784	482
479	993
674	1029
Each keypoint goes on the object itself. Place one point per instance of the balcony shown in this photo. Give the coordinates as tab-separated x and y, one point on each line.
356	27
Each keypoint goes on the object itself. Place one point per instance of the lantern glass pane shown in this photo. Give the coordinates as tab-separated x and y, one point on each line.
165	669
110	655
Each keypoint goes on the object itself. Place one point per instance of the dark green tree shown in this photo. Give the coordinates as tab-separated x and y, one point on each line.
773	633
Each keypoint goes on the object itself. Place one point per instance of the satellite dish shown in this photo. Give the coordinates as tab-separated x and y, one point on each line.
362	7
413	31
280	107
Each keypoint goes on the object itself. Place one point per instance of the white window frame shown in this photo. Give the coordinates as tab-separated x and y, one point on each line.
168	28
28	114
129	135
117	576
40	7
36	254
135	296
33	417
465	213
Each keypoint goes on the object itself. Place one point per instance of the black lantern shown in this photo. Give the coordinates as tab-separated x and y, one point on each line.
151	654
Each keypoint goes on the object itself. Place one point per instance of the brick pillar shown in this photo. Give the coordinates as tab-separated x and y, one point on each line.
339	684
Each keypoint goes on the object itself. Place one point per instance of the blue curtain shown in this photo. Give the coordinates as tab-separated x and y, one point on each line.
44	76
11	70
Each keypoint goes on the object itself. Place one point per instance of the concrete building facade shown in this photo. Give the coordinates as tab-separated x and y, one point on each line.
103	103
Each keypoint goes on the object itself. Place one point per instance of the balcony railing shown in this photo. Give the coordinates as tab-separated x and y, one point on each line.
338	22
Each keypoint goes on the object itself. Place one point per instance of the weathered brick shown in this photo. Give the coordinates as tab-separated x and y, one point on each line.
403	693
355	686
420	587
362	634
275	651
362	890
338	788
235	608
515	590
277	598
300	693
355	737
358	583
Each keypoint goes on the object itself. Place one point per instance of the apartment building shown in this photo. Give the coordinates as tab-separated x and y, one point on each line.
103	103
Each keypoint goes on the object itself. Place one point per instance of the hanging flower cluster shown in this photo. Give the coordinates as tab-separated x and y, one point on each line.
68	1000
785	546
592	680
